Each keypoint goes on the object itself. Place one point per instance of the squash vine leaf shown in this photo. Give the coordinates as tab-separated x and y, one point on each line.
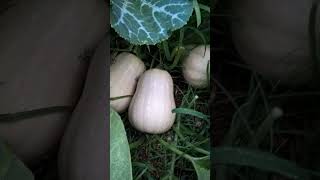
149	21
120	158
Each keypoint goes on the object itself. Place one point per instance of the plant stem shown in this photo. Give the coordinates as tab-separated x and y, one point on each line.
177	58
173	160
166	50
175	150
200	150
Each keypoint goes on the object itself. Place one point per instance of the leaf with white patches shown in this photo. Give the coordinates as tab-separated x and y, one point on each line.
149	21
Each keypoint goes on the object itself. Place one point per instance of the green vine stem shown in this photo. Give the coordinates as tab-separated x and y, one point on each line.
200	150
175	150
180	52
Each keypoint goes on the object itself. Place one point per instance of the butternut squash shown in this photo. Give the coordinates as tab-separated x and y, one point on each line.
42	42
272	37
124	74
195	66
83	153
150	110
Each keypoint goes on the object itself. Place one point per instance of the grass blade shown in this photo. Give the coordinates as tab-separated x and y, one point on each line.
204	7
191	112
166	50
197	32
260	160
200	164
197	11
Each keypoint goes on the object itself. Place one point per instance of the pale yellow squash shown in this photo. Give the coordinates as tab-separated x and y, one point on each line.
195	66
83	151
124	74
150	110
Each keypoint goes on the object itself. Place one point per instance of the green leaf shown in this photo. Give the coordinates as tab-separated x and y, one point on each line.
191	112
204	7
149	22
261	160
120	158
197	11
11	168
201	165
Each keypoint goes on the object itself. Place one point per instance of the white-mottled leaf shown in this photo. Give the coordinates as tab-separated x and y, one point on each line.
149	21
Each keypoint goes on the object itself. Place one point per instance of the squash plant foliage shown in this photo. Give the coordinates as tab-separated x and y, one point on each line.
141	22
120	158
149	21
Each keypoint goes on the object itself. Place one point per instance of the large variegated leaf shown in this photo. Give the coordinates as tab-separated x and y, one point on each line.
149	21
